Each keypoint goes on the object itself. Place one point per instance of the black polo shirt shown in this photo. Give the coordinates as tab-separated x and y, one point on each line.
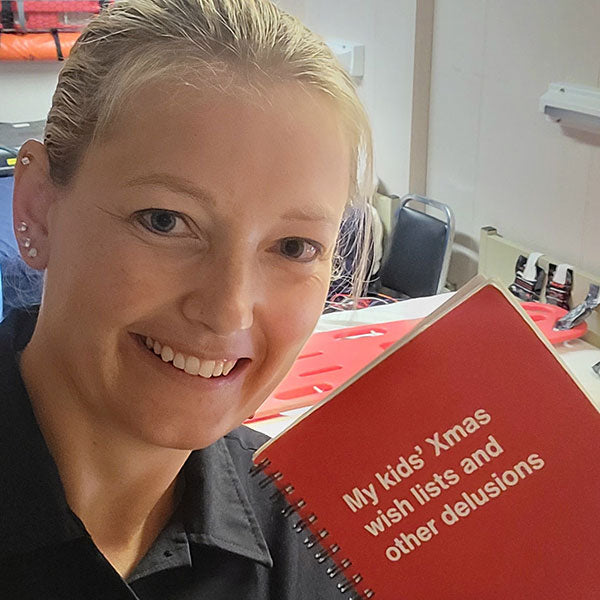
226	541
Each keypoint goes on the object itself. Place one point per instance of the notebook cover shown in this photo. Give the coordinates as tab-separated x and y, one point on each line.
463	465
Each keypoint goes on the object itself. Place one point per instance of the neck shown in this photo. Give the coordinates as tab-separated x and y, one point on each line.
122	488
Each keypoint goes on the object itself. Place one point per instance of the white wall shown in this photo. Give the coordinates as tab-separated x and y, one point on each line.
26	89
492	156
294	7
387	29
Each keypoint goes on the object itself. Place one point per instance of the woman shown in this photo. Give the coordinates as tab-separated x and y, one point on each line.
197	161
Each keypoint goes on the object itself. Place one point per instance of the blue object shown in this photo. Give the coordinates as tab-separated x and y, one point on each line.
20	286
8	243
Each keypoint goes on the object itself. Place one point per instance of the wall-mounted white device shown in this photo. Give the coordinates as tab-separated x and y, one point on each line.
351	56
571	105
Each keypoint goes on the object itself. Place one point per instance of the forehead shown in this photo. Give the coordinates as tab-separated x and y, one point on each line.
282	137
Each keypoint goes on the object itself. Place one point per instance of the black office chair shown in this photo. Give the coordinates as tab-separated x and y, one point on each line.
417	260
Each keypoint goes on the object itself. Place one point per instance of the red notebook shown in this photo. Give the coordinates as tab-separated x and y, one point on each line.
463	463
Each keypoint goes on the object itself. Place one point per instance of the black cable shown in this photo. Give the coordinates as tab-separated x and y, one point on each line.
56	39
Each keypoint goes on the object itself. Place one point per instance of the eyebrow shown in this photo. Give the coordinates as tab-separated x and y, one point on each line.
178	185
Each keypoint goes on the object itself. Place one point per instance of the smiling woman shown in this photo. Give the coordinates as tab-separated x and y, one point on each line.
185	204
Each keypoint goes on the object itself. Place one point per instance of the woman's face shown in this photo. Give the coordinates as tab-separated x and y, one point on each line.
205	223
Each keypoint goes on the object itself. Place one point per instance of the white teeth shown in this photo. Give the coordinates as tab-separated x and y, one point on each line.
179	361
167	353
218	368
206	368
190	364
229	364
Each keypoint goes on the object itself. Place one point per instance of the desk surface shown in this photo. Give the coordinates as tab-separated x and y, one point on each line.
579	356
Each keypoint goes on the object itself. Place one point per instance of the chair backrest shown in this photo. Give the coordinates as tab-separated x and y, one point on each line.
419	254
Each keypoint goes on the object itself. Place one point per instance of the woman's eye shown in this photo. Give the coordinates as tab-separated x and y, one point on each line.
163	222
299	249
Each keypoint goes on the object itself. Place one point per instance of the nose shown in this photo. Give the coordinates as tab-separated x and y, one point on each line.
224	297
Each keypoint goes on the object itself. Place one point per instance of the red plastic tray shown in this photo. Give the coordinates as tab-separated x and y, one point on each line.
327	361
330	358
546	315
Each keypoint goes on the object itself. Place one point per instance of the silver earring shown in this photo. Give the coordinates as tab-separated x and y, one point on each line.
26	242
25	160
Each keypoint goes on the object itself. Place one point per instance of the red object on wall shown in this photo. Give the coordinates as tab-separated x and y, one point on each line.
44	15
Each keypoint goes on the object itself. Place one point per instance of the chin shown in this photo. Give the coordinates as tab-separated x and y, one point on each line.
180	431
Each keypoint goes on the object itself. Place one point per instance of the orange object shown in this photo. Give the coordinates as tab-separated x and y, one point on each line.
36	46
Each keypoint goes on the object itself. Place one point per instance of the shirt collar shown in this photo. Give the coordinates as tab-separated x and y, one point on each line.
217	510
215	507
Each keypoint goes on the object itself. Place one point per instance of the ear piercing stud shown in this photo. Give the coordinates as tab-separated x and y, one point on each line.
26	241
25	160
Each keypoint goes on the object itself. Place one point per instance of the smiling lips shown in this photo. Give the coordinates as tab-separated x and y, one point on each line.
191	364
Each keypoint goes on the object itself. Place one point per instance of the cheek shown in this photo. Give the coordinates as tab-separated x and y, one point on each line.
111	274
292	318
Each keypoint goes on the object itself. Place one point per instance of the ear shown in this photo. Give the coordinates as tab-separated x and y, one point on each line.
34	193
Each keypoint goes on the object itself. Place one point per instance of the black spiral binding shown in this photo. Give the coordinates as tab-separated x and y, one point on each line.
346	583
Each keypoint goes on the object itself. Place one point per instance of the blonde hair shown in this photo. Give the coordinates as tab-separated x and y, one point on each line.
212	41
